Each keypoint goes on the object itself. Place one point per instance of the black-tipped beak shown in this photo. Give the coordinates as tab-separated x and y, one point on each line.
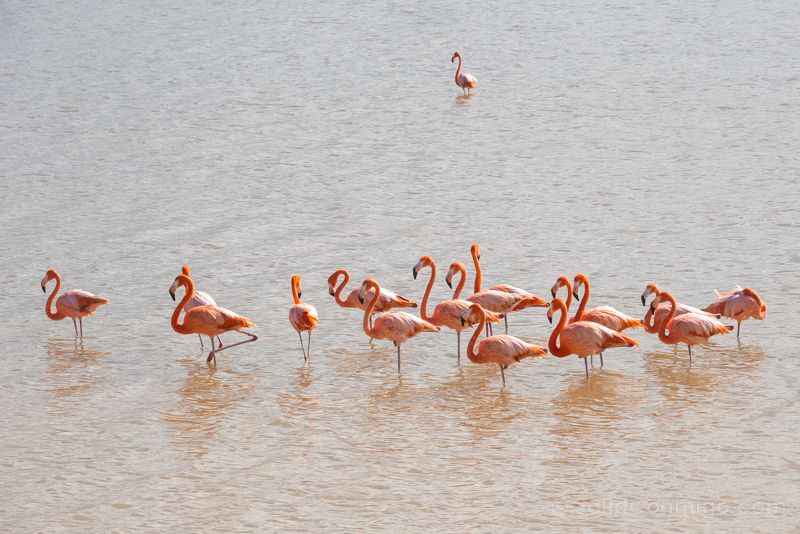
361	299
171	294
552	293
643	302
463	322
44	290
331	293
449	284
414	272
299	294
575	294
652	309
550	318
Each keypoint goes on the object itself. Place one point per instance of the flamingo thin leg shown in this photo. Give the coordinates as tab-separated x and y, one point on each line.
213	354
309	343
738	326
586	364
502	374
81	323
201	342
690	353
398	359
601	360
253	337
458	335
75	324
305	358
505	318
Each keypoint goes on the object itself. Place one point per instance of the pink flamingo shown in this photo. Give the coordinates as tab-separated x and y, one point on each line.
387	301
303	317
490	300
529	299
652	320
739	305
397	327
582	338
689	328
207	320
605	315
502	350
448	312
464	80
75	303
200	298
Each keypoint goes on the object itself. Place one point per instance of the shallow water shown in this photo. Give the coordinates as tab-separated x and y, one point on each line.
631	141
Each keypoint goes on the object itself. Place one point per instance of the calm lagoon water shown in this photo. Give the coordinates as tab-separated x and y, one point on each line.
632	141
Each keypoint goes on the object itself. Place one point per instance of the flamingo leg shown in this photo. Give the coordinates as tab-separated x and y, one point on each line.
305	358
213	354
80	321
75	324
491	329
586	364
738	326
219	343
201	341
458	336
690	353
309	344
591	358
601	360
253	337
505	318
502	374
398	359
487	329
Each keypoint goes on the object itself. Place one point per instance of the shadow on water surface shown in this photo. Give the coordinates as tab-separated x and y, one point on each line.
71	367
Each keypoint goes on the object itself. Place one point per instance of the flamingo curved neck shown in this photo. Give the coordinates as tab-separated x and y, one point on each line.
458	73
295	295
568	285
478	273
338	294
552	343
461	282
471	354
662	328
584	300
649	322
54	315
370	306
176	326
423	312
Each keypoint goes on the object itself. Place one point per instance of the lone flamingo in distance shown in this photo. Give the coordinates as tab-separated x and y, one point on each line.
502	350
448	312
604	315
582	338
303	317
398	327
207	320
464	80
689	328
652	320
75	303
529	299
200	298
739	305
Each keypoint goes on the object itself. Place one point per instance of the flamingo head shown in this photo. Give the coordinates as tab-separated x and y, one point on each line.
474	250
579	280
472	315
180	280
556	305
661	296
762	308
560	282
651	289
455	55
365	286
332	280
49	275
455	267
186	269
424	261
296	285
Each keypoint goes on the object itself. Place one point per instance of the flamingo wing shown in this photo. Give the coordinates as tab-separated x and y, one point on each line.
496	301
200	298
80	301
611	318
586	338
389	299
529	299
505	350
695	328
465	79
303	317
400	326
448	313
739	305
212	320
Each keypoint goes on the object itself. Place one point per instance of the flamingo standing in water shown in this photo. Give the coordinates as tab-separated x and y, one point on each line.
689	328
739	305
398	327
502	350
387	301
582	338
605	315
200	298
448	312
207	320
75	303
302	316
529	299
653	320
464	80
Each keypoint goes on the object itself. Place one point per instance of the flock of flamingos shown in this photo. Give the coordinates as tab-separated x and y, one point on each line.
586	334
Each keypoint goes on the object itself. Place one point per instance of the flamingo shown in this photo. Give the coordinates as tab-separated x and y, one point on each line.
456	268
398	327
207	320
582	338
464	80
739	304
689	328
502	350
387	301
75	303
605	315
529	301
652	320
200	298
303	317
448	312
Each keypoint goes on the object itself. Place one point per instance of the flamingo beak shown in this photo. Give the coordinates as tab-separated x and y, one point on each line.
643	301
331	293
553	293
414	272
463	322
43	289
172	294
550	318
575	294
299	293
449	284
360	298
652	309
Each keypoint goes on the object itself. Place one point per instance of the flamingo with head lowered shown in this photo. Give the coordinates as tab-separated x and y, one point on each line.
200	298
75	303
582	338
210	321
652	320
448	312
464	80
398	327
502	350
739	305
